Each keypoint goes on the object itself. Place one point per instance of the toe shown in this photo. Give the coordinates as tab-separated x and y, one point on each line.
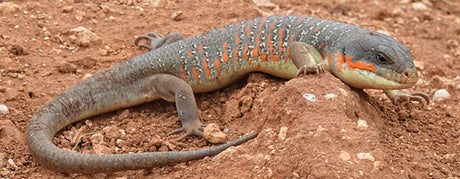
175	131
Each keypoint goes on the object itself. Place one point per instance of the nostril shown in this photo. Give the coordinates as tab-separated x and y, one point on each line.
406	74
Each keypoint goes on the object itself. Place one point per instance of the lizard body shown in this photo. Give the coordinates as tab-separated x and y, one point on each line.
283	46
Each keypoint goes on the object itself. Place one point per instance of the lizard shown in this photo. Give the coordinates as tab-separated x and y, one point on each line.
175	68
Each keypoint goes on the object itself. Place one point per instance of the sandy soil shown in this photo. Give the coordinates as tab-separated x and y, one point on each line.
298	138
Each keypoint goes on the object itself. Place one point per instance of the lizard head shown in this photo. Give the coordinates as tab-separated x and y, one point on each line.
375	61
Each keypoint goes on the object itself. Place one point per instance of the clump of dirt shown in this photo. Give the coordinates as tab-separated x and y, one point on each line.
342	133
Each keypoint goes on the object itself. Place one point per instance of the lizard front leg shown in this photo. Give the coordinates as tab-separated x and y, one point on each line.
398	95
174	89
157	40
306	58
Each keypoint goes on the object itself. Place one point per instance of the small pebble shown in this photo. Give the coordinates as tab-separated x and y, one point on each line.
4	109
365	156
11	162
96	139
330	96
441	95
213	134
344	92
309	97
176	15
283	133
344	156
362	124
378	165
419	6
67	9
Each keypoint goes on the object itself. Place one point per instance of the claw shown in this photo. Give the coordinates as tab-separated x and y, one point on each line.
175	131
417	96
305	70
197	132
154	39
423	95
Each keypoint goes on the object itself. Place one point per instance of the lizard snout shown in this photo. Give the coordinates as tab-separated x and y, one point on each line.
409	76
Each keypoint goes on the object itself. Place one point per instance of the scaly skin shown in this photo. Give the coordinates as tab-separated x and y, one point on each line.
284	46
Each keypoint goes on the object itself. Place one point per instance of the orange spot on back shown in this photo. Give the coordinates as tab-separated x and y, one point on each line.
189	53
205	63
317	28
321	46
255	51
225	56
183	76
222	29
273	24
235	53
249	62
246	52
264	57
288	54
218	74
237	39
195	73
217	63
201	48
196	76
181	69
271	48
281	41
262	23
300	20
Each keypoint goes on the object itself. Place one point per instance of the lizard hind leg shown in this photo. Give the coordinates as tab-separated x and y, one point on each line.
306	58
174	89
157	40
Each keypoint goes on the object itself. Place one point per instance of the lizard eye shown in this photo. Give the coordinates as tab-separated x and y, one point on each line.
383	59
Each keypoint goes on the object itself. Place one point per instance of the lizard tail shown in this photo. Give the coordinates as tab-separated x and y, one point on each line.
57	113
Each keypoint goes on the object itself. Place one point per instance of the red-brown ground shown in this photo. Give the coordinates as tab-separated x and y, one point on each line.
38	61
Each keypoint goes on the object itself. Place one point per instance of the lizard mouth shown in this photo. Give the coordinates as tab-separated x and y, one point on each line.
388	80
365	79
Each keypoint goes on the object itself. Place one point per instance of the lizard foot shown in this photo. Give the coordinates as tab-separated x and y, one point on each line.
157	40
306	69
189	131
152	37
421	97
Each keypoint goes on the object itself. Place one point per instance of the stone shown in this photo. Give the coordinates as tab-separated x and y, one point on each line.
84	37
177	15
283	133
366	156
344	156
362	124
419	6
4	109
213	134
65	67
441	95
330	96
